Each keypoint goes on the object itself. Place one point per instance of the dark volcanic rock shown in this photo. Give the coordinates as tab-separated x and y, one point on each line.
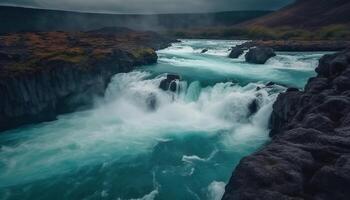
253	107
50	73
237	51
259	55
204	50
269	84
299	45
309	155
170	83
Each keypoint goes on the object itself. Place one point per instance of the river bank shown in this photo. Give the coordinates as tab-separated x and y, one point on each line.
44	74
308	157
297	45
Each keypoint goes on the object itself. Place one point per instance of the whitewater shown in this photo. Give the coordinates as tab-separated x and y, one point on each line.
140	142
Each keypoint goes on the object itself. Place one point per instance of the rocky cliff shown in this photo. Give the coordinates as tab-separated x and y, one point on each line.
309	154
44	74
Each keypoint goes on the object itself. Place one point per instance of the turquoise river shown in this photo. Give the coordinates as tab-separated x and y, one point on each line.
184	149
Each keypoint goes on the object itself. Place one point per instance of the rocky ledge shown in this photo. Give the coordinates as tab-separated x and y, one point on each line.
43	74
308	156
259	55
259	51
297	45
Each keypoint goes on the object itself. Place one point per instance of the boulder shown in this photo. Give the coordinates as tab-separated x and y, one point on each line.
333	64
316	84
204	50
259	55
236	52
342	83
318	122
253	107
339	64
170	83
269	84
332	182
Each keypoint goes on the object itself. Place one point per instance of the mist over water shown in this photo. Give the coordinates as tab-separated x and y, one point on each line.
141	142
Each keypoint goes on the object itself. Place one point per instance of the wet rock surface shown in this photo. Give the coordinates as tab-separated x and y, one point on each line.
43	74
204	50
170	83
259	55
237	51
298	45
255	54
309	154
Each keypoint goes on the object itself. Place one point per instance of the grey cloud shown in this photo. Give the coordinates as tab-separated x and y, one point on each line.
151	6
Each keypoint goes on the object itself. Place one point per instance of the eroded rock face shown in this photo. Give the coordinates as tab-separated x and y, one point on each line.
46	74
259	55
309	155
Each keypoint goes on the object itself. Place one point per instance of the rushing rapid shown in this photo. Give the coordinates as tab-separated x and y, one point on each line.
140	142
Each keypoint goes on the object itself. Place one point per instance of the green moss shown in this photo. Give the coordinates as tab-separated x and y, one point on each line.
333	32
76	59
140	53
34	63
337	32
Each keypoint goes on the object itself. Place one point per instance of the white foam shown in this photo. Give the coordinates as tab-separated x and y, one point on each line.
123	125
193	158
306	61
216	190
151	196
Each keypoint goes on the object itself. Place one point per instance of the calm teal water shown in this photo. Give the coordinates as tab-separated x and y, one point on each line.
184	149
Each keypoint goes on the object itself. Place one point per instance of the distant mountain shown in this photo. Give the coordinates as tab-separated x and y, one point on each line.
307	14
14	19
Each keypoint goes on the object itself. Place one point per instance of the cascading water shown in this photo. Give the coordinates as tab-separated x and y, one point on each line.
141	142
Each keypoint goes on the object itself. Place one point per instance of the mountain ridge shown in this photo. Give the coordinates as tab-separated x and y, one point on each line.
306	14
16	19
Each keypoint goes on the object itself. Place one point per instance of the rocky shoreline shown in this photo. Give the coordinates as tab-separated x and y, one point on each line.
44	74
259	51
308	156
295	45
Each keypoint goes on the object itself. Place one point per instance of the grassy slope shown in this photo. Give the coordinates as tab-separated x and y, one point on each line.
303	20
32	51
307	14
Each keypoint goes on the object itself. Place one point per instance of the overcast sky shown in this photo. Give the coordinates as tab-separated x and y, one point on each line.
151	6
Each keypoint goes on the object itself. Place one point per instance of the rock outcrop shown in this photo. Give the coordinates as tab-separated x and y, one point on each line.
309	154
237	51
297	45
170	83
259	55
44	74
204	51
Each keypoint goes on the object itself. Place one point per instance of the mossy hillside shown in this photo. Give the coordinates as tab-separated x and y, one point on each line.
332	32
140	53
31	52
